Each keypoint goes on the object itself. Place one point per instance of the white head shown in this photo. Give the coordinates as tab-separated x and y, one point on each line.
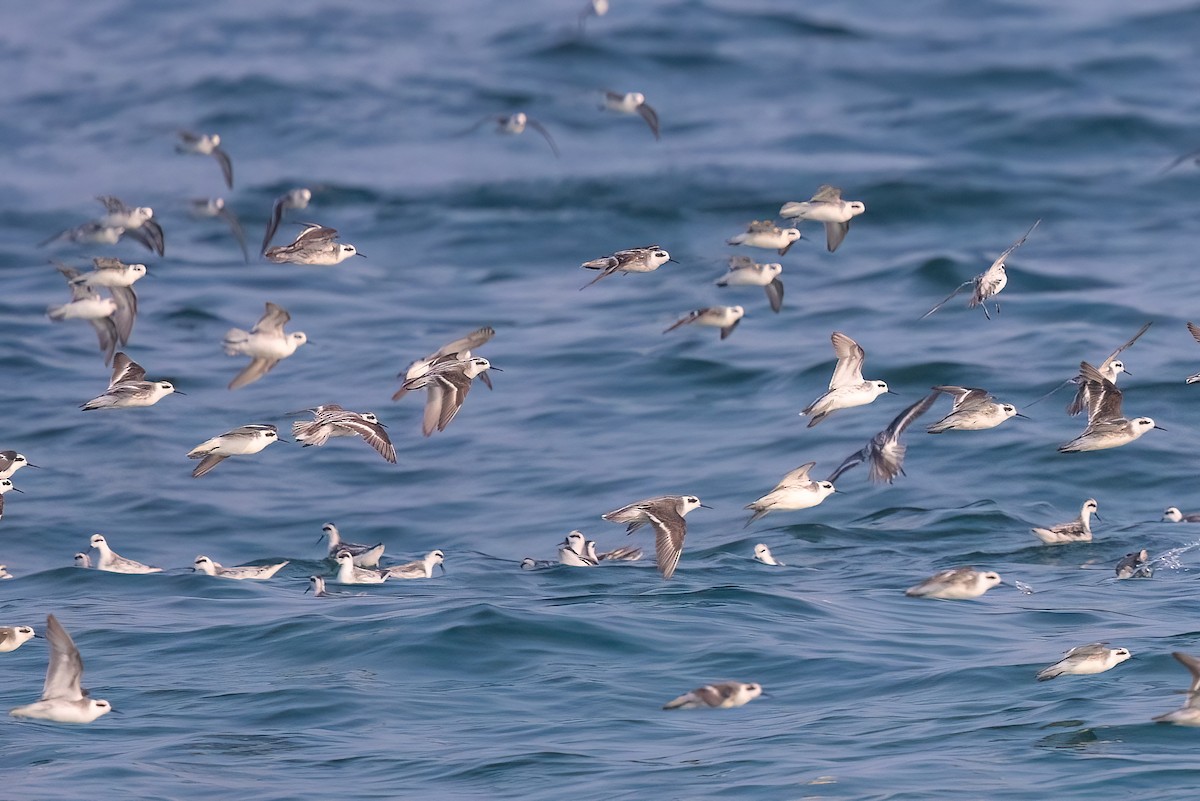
475	366
657	258
879	388
1008	410
346	251
1119	655
1089	507
434	558
773	269
687	503
143	213
345	561
856	207
18	461
331	531
791	234
988	580
576	542
737	311
215	139
636	98
370	418
205	565
514	123
21	634
6	486
298	337
763	554
98	541
748	692
136	269
301	196
825	488
165	387
97	707
1172	515
216	203
1115	368
316	585
83	560
1141	425
528	563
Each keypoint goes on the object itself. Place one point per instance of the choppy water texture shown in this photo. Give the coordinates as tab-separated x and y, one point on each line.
957	124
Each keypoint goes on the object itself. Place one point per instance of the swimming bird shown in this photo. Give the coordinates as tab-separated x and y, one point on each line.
331	420
13	637
794	491
988	283
241	441
632	103
634	260
724	317
722	695
216	207
129	388
957	584
1189	714
6	485
1135	565
763	554
974	410
314	245
118	278
826	206
1084	660
573	551
1107	426
529	563
446	385
885	452
83	560
1077	530
266	344
665	514
744	271
316	585
207	145
4	574
458	350
767	235
364	555
139	223
252	572
847	388
348	573
292	199
1110	368
624	553
1172	515
112	562
422	568
11	462
63	699
87	304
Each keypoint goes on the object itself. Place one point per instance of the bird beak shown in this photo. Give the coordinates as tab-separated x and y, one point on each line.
281	439
1022	416
442	565
1097	515
14	489
497	369
673	261
1160	428
308	589
357	253
34	466
1126	372
705	506
892	393
177	392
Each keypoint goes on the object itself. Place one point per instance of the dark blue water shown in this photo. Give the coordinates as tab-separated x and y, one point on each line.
957	125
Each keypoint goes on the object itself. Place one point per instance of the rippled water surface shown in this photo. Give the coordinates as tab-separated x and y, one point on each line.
957	124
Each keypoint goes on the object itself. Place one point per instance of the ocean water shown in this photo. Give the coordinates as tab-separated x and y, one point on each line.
957	124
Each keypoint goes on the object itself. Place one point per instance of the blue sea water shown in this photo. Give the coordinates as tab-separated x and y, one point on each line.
958	124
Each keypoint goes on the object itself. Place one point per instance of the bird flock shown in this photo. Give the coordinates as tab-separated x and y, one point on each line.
105	298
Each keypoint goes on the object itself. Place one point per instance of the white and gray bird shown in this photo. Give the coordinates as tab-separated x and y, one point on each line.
6	485
826	206
83	560
885	452
139	223
314	245
87	304
847	388
1189	713
1077	530
207	145
298	198
632	103
1107	426
1172	515
988	283
113	562
63	699
767	235
349	573
665	514
458	350
241	441
744	271
266	344
633	260
11	462
1084	660
128	388
1111	368
974	410
957	584
4	574
422	568
515	124
204	564
572	551
1135	565
331	420
446	385
13	637
364	555
796	490
217	208
89	233
316	585
722	695
118	278
763	554
725	318
529	563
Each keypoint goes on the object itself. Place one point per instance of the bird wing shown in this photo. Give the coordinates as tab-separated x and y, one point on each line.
374	434
775	294
948	298
1193	665
669	531
226	165
761	227
1104	399
106	335
1104	365
113	205
850	356
835	232
125	369
235	227
964	396
273	320
797	477
537	126
651	117
999	262
252	372
471	341
1195	331
126	312
690	317
273	224
828	194
65	668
